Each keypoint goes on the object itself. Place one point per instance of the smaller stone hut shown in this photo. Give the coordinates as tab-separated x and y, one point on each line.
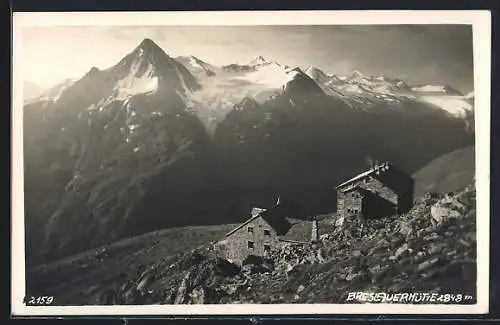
264	231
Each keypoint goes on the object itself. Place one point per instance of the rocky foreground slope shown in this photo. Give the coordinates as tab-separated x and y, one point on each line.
430	249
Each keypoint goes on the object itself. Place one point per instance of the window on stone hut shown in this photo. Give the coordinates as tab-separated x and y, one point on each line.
267	248
267	232
250	245
250	229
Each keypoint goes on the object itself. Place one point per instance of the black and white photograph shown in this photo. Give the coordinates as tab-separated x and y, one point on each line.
316	163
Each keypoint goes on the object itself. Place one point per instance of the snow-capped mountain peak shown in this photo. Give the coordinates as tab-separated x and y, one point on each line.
139	71
356	74
258	60
436	89
148	67
272	75
365	91
318	75
146	70
146	53
196	66
193	60
401	84
147	45
93	70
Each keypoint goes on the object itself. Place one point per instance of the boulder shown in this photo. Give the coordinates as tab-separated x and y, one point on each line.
447	207
400	251
339	222
440	213
198	296
359	276
324	237
356	253
405	228
427	264
255	269
226	268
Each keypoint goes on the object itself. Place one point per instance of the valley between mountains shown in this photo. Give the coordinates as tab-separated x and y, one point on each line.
156	142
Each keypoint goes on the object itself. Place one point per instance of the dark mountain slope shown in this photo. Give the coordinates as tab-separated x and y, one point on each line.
302	144
92	152
449	172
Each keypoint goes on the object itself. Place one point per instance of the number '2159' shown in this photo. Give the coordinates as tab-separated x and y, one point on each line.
40	300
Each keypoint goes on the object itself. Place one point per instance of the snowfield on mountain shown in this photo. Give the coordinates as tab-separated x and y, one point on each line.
264	78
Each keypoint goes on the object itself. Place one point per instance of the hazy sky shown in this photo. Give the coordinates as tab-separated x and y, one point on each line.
420	54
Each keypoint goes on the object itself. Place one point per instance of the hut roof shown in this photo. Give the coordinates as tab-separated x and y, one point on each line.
276	217
378	168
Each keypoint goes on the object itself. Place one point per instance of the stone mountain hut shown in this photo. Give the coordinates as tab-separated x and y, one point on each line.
264	231
379	191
